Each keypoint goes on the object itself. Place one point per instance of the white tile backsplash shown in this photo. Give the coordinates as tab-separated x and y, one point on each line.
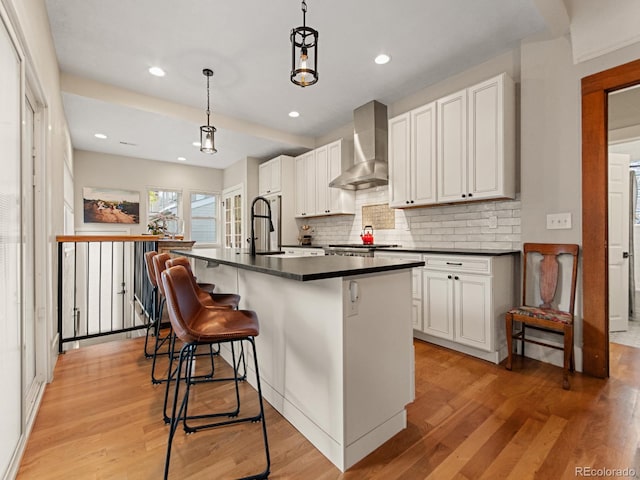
460	226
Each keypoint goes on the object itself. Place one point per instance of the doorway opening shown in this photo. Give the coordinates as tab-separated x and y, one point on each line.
623	130
595	236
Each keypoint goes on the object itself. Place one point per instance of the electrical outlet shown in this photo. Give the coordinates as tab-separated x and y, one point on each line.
558	221
352	299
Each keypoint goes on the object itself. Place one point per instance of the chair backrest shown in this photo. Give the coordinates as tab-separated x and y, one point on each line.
151	271
182	300
160	265
183	261
549	270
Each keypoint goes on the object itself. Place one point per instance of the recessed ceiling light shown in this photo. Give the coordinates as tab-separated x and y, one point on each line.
294	114
156	71
101	136
196	144
182	159
382	59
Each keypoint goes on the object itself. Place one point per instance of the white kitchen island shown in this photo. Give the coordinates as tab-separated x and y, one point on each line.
340	371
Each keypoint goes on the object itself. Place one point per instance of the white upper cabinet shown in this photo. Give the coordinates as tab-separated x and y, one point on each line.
492	138
314	197
412	158
476	142
452	147
305	188
270	177
322	180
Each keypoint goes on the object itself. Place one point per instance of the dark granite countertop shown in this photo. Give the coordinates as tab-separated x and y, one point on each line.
299	268
427	250
451	251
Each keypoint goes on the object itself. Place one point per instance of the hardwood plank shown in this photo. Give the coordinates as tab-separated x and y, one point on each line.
101	419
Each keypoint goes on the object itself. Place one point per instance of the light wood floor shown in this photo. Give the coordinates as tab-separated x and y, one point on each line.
101	419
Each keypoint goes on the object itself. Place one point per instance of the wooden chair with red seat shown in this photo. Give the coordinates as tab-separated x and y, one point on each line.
544	259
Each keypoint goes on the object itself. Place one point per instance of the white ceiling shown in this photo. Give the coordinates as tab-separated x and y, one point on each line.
247	45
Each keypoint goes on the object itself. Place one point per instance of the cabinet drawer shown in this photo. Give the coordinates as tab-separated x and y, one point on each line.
458	264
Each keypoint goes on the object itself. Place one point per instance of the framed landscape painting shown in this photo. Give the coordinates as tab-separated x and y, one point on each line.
107	205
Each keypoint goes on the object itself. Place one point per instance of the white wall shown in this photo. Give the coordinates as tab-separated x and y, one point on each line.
599	27
111	171
28	20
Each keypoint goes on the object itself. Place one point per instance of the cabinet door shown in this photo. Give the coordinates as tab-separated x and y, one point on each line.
269	174
322	181
472	295
399	161
301	184
423	155
437	303
264	178
336	196
452	147
275	177
486	139
310	184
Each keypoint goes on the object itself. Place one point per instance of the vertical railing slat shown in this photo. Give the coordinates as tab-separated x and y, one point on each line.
131	252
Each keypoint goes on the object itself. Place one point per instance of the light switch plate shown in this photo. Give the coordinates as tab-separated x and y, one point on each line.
558	221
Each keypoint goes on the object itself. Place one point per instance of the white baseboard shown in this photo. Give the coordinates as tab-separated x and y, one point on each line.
14	464
537	352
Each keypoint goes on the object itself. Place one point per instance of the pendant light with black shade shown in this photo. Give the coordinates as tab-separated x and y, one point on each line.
207	140
304	53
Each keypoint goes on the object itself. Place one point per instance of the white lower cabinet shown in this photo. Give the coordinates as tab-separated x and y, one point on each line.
472	322
459	302
438	304
465	299
456	307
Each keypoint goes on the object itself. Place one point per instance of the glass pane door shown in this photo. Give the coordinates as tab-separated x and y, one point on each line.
232	205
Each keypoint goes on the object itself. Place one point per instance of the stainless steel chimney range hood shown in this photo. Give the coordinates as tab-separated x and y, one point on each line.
370	144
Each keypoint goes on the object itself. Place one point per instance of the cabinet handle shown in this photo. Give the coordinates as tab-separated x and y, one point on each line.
464	196
456	278
412	201
454	263
407	202
470	195
449	277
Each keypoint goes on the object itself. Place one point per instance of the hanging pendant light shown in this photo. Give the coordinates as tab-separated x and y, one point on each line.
304	53
207	140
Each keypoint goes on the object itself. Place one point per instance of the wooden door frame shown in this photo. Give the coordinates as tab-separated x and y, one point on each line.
595	276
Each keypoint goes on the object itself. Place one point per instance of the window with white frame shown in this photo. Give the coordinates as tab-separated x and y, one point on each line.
204	217
164	205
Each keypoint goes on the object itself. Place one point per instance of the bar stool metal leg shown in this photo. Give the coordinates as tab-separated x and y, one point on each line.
152	320
179	413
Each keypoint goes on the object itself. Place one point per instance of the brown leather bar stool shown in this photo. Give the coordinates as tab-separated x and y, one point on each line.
159	265
160	262
219	299
196	324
